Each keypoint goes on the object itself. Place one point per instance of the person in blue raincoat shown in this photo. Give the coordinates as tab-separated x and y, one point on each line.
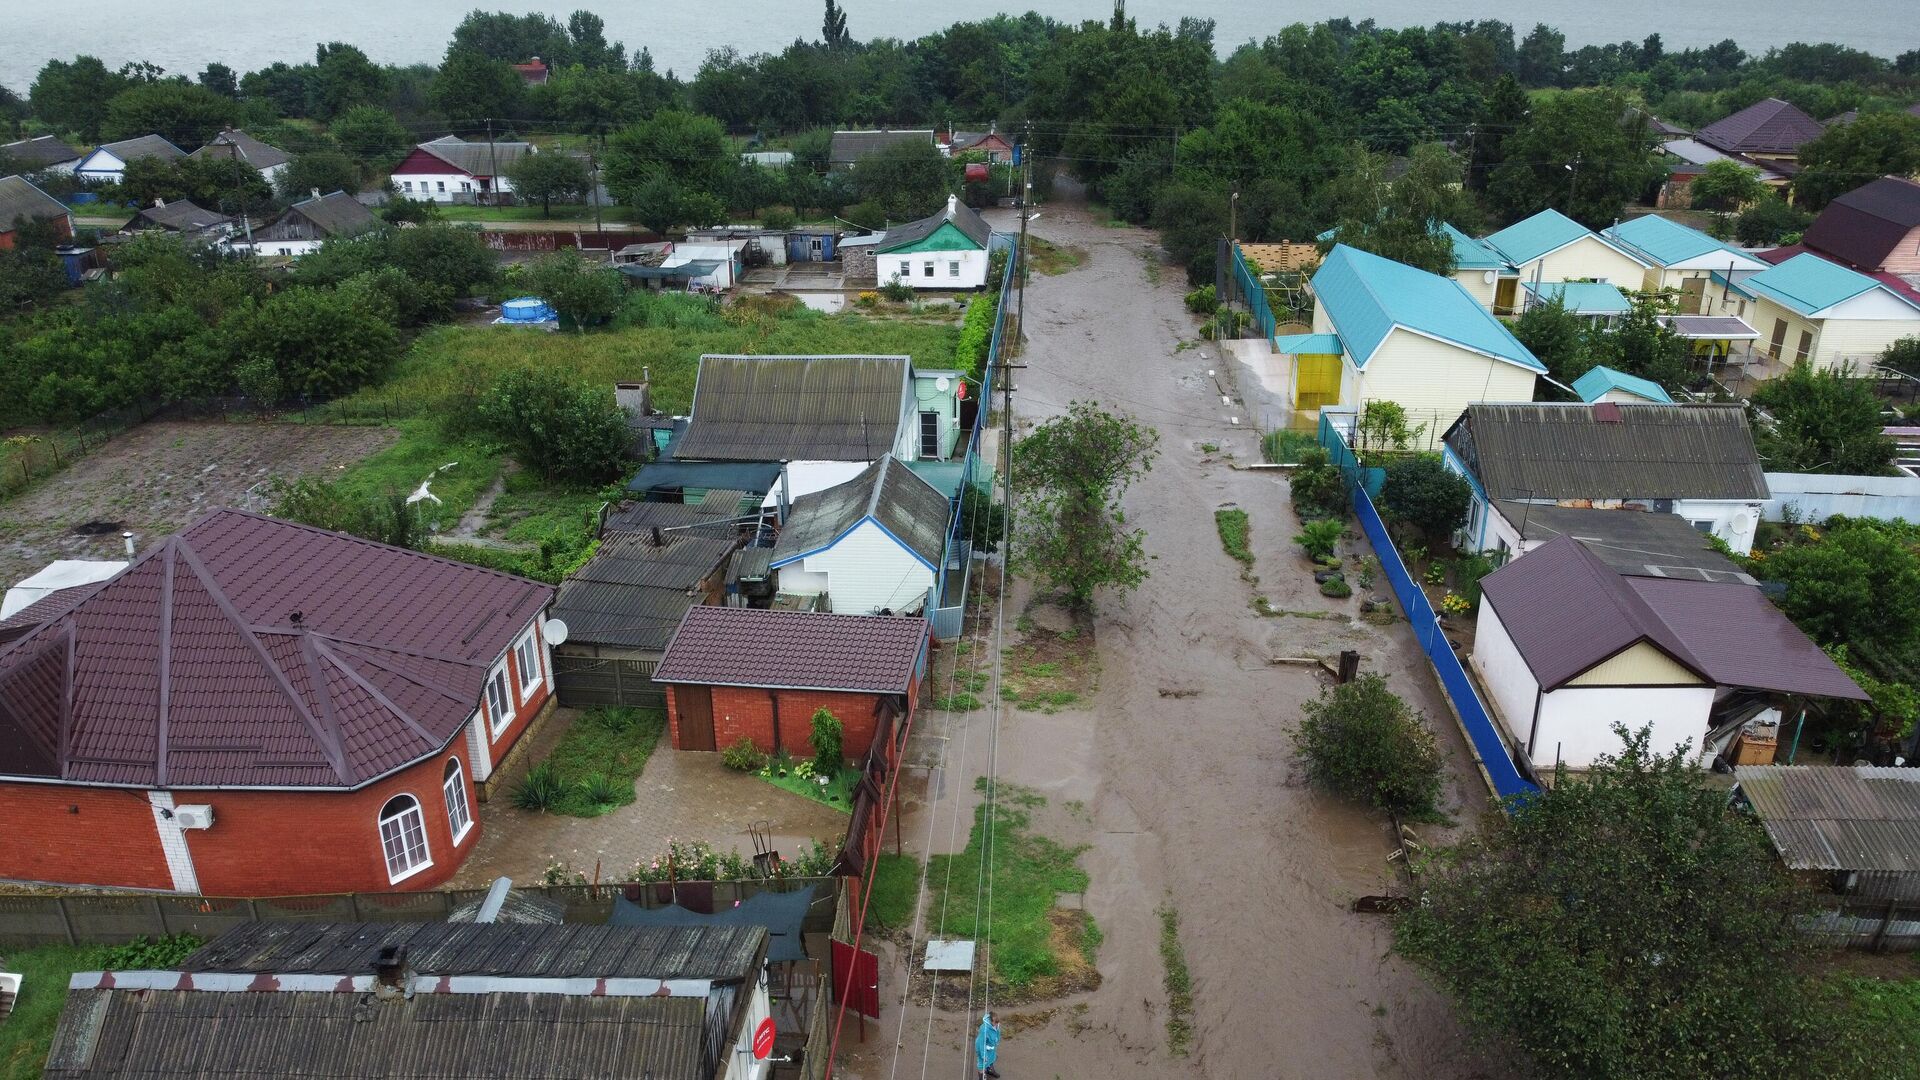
986	1045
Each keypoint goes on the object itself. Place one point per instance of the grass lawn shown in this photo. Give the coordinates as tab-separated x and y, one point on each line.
451	361
26	1035
1233	534
1050	258
1034	942
896	885
837	793
530	510
592	769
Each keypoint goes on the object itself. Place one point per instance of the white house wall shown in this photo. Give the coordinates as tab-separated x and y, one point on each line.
867	571
1861	341
1505	675
1477	285
911	268
1576	723
1733	522
445	187
740	1061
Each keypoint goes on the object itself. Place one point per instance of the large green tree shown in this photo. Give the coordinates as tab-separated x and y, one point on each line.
372	135
73	95
1726	185
342	78
1825	421
557	427
1584	153
553	175
313	343
1857	586
472	89
185	114
1848	155
1621	925
1502	114
323	171
674	167
1398	218
1074	471
907	180
584	293
1421	491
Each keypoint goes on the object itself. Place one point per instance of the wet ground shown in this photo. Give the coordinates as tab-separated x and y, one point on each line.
1177	770
679	796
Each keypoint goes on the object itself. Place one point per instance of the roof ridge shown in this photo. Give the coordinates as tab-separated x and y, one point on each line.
319	644
361	540
1615	587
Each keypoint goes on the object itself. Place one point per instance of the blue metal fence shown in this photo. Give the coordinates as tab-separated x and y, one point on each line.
1254	292
1454	682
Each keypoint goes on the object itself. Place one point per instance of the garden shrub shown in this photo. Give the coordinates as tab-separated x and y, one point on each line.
1361	740
1202	300
1319	538
743	756
540	790
976	336
1336	587
1318	488
826	737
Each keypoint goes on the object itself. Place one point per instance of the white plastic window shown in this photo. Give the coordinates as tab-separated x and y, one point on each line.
459	814
403	837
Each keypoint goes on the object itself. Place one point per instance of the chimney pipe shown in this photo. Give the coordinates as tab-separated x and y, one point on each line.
390	973
953	203
316	192
128	537
785	492
656	538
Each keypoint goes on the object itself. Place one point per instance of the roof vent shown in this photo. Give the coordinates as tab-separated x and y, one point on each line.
1606	412
293	617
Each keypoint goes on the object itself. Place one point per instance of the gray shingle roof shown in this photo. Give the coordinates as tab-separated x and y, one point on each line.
1566	610
964	217
335	214
1769	126
19	198
477	158
241	146
181	215
804	650
1572	451
796	408
911	509
848	147
144	146
40	152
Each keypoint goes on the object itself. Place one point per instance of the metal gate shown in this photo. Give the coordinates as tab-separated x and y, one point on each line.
584	682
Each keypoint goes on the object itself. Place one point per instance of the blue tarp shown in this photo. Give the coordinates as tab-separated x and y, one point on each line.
780	913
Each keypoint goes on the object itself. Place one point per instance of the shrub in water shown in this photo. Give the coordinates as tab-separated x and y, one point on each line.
1360	740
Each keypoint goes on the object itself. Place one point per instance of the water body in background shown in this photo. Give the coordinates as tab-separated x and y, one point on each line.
182	36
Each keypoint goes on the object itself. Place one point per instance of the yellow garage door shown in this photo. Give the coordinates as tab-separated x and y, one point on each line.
1318	383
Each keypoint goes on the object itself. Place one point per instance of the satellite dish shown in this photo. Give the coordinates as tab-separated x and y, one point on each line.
942	383
1489	277
554	631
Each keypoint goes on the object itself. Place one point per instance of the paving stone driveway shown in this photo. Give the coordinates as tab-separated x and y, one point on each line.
682	795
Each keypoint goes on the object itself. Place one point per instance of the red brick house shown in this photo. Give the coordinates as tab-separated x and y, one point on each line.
21	200
759	674
257	708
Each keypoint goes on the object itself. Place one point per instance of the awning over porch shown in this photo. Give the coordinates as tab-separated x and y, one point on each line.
1308	344
1710	328
1582	297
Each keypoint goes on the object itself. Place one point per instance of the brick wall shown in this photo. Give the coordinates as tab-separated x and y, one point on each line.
110	840
857	268
748	711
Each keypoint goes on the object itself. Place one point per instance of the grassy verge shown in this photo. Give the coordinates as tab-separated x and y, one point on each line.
1233	534
592	769
1178	982
529	510
1050	258
452	362
896	885
421	450
1036	946
1284	446
786	774
26	1035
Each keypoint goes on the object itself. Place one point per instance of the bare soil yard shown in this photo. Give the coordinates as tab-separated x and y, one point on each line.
161	475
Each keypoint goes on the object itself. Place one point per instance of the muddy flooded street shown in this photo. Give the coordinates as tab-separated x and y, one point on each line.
1176	769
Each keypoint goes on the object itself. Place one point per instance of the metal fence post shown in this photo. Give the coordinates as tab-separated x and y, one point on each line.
66	919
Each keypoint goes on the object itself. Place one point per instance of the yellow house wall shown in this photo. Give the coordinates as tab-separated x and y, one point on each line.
1859	341
1435	381
1765	313
1474	281
1640	665
1586	258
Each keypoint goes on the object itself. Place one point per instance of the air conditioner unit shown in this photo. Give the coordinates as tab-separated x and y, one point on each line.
197	816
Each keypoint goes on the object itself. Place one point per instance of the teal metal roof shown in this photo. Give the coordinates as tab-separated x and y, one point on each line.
1583	297
1599	380
1666	242
1309	344
943	476
1367	296
1471	254
1527	240
1808	283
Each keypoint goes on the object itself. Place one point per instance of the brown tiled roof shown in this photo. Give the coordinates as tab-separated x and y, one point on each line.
1770	126
1864	225
250	652
1567	610
798	650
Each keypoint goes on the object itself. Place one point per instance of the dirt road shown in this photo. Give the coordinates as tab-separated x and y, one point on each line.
1182	757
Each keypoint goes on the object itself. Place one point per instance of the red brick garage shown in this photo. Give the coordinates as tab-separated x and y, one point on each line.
743	672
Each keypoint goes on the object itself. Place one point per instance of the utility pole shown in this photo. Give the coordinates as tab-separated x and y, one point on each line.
1233	218
493	164
593	168
1020	252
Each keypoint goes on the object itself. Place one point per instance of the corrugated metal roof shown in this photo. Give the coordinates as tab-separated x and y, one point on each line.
1583	297
678	562
1666	242
571	950
1810	284
633	594
1601	379
190	667
1308	344
1544	450
240	146
961	216
725	646
1566	610
1633	542
796	408
39	152
1710	327
1769	126
181	216
909	508
182	1035
477	158
1822	818
1471	254
19	198
143	146
1529	238
1367	296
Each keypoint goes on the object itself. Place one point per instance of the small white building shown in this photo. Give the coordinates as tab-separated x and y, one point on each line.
308	224
452	170
1567	647
1550	246
947	250
107	163
1697	461
870	545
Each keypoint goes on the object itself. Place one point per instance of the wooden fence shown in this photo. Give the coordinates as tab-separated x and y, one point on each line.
72	919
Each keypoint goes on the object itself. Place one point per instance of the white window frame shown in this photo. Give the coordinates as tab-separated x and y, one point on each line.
406	186
441	184
953	267
926	268
394	830
453	787
466	185
500	713
526	648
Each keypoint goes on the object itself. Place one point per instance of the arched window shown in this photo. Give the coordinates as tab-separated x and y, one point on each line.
403	836
454	786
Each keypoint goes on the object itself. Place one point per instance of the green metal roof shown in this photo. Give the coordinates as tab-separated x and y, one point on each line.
1583	297
1666	242
1809	284
1308	344
1599	380
1367	297
1526	240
